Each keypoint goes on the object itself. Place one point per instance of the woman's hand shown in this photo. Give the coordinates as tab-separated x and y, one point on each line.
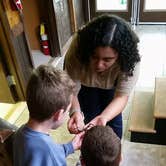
98	121
77	140
76	122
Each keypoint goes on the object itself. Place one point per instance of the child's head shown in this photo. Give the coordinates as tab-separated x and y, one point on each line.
101	146
49	90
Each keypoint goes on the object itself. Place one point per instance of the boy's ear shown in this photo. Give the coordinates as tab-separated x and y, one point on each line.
58	114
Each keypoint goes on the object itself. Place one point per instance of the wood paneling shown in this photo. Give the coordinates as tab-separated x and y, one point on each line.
16	54
72	16
8	62
76	14
61	9
57	19
50	20
31	12
22	58
12	15
5	93
151	16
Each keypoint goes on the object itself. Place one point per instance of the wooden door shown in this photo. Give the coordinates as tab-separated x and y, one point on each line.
152	11
16	49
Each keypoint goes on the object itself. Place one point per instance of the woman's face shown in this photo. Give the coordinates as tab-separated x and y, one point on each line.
103	58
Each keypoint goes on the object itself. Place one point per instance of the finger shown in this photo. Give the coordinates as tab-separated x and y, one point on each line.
71	126
70	122
74	130
82	134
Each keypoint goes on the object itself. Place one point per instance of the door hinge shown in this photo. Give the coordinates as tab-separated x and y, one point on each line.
11	80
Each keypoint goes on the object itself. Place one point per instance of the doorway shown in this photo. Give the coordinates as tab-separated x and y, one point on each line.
134	11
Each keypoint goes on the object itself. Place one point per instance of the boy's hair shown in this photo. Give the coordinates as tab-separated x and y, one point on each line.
101	146
48	91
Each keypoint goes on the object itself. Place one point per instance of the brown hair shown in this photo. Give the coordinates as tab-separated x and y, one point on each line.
48	91
101	146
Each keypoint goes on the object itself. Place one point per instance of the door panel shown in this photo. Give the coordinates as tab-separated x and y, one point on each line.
152	11
23	59
16	49
121	8
57	19
5	93
8	68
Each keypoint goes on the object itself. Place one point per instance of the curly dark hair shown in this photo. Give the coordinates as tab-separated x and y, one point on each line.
113	31
101	146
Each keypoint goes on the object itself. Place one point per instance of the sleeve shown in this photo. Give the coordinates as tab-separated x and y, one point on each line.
68	148
126	84
71	63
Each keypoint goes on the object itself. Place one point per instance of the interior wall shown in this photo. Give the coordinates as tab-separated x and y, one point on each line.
17	56
31	12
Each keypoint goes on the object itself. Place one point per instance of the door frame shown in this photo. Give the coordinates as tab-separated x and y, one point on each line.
150	16
124	14
9	37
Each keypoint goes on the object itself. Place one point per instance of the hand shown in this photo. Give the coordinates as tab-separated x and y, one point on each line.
75	123
77	140
98	121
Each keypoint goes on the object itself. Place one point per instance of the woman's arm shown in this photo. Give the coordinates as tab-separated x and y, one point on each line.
76	120
115	107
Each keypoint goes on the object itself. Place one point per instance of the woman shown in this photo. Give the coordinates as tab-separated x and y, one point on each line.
104	59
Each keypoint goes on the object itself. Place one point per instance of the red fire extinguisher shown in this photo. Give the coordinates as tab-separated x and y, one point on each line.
44	40
45	45
16	5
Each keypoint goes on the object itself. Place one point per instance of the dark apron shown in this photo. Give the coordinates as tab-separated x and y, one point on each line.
93	101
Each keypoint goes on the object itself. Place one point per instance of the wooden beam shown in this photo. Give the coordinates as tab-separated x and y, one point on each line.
72	16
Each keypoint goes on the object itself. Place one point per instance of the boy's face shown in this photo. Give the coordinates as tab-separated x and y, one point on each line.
103	58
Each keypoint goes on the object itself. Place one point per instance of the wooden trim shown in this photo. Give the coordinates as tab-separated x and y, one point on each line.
17	54
160	95
27	41
86	10
49	18
142	119
9	53
72	16
17	29
151	16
